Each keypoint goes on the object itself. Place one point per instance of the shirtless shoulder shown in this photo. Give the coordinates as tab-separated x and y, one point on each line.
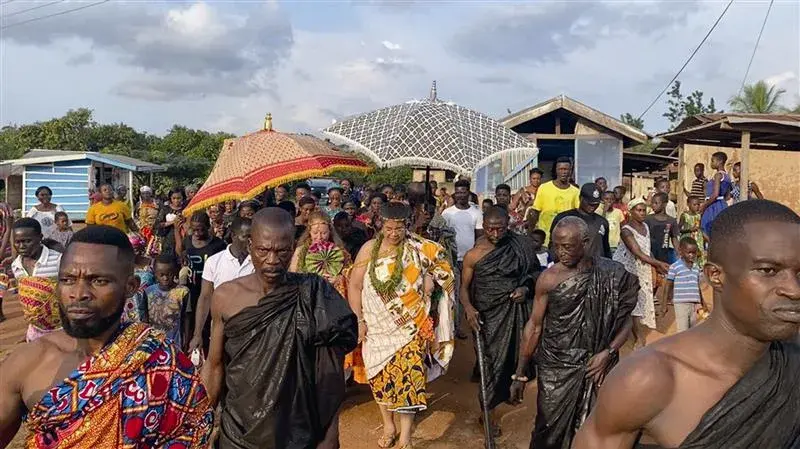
231	297
38	365
631	398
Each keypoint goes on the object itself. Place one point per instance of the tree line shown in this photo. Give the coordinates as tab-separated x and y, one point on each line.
758	98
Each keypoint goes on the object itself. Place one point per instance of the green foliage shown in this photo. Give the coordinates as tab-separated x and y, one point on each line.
629	119
680	107
379	176
188	154
760	98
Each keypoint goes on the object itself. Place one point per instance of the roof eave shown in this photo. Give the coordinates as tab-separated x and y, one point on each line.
580	109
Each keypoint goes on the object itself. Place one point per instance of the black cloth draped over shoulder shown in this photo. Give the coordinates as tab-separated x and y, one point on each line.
584	313
510	265
283	366
760	411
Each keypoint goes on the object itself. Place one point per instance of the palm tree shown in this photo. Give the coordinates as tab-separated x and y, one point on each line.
758	98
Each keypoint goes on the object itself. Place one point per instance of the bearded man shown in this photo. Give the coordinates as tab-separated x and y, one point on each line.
496	293
124	385
581	317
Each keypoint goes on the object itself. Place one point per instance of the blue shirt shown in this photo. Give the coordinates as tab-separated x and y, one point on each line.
686	282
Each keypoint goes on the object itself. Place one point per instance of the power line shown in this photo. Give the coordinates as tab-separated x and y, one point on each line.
688	60
755	48
60	13
22	11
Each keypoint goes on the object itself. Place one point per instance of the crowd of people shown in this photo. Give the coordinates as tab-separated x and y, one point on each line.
240	324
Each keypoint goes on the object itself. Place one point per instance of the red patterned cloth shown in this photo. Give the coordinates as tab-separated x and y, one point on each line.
138	392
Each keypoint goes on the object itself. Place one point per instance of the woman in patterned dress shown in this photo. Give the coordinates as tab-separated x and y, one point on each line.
634	253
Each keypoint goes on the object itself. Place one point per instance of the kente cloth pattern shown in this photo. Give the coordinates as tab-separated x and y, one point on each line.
584	314
39	305
301	331
509	266
400	386
760	411
394	320
139	391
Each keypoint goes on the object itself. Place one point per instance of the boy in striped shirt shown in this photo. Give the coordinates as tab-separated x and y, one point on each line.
683	286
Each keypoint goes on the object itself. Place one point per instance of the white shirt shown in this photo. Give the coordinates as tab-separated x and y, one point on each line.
224	267
464	222
46	266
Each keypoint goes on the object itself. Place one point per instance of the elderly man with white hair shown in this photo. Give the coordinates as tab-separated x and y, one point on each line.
586	302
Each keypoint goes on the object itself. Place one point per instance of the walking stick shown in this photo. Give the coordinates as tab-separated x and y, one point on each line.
488	432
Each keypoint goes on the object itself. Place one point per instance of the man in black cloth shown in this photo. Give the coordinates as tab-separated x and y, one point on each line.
590	198
353	237
586	303
733	381
496	293
278	341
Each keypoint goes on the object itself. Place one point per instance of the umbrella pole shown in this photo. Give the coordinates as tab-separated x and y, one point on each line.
427	185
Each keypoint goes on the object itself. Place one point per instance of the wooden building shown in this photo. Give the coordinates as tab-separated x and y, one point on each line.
595	141
767	145
70	175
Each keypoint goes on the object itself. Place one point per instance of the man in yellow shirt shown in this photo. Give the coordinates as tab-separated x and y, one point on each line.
554	197
111	212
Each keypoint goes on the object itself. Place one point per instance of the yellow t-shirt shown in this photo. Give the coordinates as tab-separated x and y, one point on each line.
615	219
115	214
551	201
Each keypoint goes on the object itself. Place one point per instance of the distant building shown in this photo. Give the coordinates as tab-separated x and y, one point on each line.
595	141
70	175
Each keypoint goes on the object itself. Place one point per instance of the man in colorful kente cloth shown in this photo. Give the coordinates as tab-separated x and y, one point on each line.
407	342
124	386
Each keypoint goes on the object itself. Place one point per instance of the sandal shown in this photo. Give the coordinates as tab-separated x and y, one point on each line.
387	441
407	446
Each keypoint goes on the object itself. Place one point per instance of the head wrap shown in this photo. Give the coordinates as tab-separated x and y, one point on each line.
145	189
635	202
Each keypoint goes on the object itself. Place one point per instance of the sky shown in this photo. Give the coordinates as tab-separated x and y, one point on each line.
222	65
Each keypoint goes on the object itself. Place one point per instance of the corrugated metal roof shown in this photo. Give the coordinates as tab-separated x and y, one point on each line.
43	156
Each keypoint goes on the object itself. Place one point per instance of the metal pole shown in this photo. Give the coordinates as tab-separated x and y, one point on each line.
427	183
488	432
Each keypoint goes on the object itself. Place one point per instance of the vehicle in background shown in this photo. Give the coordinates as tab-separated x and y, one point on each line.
322	185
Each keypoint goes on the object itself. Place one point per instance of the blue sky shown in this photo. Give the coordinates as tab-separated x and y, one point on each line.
223	65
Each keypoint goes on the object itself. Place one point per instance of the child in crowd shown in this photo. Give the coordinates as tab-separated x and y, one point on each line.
683	287
662	186
538	237
63	232
166	300
664	231
690	227
486	205
664	234
229	212
619	201
698	183
615	218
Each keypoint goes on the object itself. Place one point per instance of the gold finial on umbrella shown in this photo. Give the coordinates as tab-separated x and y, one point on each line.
268	122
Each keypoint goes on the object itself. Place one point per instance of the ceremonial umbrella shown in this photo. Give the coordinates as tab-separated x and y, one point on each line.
429	133
248	165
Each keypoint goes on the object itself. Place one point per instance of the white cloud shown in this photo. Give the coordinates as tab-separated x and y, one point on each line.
391	46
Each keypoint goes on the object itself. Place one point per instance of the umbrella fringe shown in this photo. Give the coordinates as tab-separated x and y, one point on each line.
255	191
524	151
